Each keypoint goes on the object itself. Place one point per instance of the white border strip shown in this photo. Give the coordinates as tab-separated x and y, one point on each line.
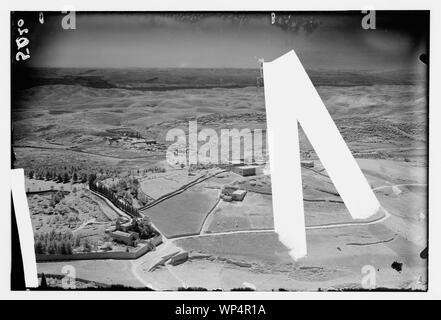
24	226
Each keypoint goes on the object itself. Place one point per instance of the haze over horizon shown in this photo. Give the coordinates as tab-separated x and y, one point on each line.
328	41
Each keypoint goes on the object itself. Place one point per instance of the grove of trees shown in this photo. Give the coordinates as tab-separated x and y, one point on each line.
109	194
54	243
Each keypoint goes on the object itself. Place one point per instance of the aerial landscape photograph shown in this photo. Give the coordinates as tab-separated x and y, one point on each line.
119	121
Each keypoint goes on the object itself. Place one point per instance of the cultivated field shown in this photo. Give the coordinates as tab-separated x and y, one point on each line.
184	213
254	212
158	184
105	271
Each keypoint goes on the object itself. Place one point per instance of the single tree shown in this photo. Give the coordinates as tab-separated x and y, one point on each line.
66	177
43	283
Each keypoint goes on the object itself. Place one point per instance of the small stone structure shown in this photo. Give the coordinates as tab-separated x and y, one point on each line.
238	195
307	163
128	238
246	171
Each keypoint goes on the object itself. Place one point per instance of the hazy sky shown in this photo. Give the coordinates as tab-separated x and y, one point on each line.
322	41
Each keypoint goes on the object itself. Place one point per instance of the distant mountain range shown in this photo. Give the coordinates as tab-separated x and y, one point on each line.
186	78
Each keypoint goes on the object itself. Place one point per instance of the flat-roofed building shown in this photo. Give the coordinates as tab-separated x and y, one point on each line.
238	195
128	238
246	170
307	164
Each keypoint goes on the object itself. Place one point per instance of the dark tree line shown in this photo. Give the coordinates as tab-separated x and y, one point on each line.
60	177
109	194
